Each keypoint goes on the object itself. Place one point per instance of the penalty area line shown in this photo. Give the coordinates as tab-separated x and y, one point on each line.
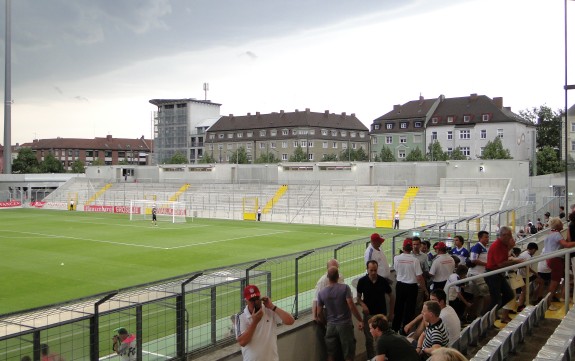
226	240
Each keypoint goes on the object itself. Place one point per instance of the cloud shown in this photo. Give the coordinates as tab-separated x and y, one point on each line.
250	55
58	90
81	98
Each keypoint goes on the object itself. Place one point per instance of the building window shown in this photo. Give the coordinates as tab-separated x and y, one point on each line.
324	145
334	133
343	145
310	156
221	136
295	143
334	145
324	132
376	127
108	153
284	144
450	119
465	151
285	132
273	132
248	146
230	146
361	134
284	156
403	125
312	131
417	124
401	154
303	143
240	135
435	120
449	135
433	135
403	139
343	133
212	136
262	133
262	145
303	131
481	150
56	152
573	145
500	133
388	139
310	144
485	117
353	146
466	118
70	153
230	135
250	134
449	151
573	126
294	132
374	140
352	134
464	134
389	126
483	134
273	145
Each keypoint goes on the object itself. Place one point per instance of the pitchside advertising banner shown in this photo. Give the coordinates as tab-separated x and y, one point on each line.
10	204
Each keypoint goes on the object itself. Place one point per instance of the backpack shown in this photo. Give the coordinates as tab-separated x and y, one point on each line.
533	229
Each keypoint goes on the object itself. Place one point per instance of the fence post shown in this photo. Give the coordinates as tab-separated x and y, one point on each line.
181	318
94	328
296	298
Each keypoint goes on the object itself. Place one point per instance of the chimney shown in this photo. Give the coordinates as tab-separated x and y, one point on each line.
297	111
421	99
343	114
397	108
281	111
249	114
108	137
473	96
258	114
498	101
307	110
326	113
353	115
231	115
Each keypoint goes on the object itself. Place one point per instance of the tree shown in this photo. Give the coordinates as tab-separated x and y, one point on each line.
78	166
298	155
361	155
240	156
267	157
548	162
548	123
97	161
416	155
436	153
25	162
457	154
329	158
207	158
51	165
385	155
494	150
178	158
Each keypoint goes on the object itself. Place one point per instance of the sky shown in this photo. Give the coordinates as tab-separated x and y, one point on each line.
85	68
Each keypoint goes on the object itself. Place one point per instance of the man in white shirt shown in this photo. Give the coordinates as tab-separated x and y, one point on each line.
442	267
478	287
409	276
375	253
256	326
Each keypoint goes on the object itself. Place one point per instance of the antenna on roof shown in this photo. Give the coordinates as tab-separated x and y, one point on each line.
206	88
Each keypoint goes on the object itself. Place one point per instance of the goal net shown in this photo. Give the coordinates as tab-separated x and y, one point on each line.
167	211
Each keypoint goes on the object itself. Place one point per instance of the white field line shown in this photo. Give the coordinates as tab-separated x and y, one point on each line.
135	225
227	240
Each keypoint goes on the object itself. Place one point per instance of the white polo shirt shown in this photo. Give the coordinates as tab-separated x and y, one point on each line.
407	268
378	256
263	345
451	322
442	267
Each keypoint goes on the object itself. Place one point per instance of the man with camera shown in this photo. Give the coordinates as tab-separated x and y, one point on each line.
256	326
124	344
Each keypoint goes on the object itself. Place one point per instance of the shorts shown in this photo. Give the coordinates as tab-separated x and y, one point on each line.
557	266
545	276
478	287
337	335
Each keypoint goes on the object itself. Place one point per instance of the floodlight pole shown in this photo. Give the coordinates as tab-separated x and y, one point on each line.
8	92
566	88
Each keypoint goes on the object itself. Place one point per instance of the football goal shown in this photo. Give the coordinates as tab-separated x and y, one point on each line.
167	211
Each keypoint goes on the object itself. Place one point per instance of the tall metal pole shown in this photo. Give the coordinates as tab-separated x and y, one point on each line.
566	123
8	93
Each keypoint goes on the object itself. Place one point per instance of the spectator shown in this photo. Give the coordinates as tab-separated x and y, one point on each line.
442	267
371	292
374	252
526	255
256	326
477	261
339	306
561	212
124	344
390	346
46	355
435	335
447	354
459	250
457	299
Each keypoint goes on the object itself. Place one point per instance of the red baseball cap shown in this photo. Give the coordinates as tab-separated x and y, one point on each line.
407	242
251	291
440	245
376	237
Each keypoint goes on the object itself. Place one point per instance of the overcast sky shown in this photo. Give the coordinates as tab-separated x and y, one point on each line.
87	68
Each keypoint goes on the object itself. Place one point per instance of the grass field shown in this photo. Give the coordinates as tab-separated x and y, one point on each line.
55	256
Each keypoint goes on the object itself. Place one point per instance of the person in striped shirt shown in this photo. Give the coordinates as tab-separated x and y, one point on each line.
435	335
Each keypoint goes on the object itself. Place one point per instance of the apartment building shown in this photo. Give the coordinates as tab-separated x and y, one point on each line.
318	134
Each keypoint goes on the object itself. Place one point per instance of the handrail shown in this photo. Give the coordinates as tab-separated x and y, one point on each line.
566	252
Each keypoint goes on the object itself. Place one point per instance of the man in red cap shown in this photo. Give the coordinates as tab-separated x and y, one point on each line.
442	266
256	326
373	252
409	276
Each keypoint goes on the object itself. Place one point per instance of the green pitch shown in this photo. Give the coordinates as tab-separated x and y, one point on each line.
55	256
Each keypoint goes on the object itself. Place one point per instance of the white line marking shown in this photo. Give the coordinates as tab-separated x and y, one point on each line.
226	240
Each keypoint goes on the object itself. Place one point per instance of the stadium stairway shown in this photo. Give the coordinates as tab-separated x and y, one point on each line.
180	191
279	193
98	193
